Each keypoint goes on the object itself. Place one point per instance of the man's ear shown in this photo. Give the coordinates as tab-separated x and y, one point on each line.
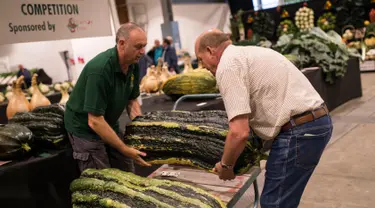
210	50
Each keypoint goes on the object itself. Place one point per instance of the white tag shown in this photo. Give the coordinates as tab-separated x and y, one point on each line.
309	135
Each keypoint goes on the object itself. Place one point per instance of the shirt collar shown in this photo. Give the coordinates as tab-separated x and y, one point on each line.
116	61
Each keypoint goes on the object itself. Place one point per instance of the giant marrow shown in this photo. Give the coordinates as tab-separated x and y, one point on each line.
188	138
196	82
47	125
115	188
15	141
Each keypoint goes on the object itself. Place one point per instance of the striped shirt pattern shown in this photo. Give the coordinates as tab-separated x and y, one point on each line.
265	85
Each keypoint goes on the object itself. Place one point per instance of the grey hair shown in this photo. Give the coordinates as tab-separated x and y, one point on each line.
125	29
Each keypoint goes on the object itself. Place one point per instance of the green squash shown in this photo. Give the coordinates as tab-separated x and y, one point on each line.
15	141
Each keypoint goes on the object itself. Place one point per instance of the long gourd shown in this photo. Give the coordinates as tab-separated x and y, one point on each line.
188	138
115	188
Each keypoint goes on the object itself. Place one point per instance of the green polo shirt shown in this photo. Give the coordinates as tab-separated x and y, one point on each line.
101	89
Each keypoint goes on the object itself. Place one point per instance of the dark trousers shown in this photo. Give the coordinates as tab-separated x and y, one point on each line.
94	153
292	160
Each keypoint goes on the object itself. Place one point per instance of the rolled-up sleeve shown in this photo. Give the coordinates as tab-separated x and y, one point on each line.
233	88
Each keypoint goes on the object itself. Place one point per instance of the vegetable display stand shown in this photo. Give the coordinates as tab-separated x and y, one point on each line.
229	192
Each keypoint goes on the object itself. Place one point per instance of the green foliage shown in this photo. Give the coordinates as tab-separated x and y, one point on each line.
264	24
327	21
317	48
286	27
370	29
352	12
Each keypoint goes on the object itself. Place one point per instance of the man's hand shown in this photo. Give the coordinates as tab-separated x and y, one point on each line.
136	156
224	174
106	133
134	109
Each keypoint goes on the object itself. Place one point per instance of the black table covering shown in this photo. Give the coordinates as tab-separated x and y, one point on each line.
343	90
38	181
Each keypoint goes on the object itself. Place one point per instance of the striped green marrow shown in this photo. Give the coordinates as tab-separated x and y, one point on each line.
15	141
196	82
115	188
47	125
187	138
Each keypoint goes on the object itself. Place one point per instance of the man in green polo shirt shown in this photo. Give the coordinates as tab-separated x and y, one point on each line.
108	84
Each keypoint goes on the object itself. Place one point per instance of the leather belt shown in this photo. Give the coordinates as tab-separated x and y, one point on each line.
305	117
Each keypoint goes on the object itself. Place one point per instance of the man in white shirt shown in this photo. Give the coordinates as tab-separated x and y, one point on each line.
264	91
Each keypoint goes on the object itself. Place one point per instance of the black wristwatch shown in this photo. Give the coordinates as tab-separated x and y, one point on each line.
226	166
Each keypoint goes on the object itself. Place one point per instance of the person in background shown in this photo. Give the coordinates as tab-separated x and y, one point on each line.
26	74
264	91
108	84
144	63
156	52
170	40
170	56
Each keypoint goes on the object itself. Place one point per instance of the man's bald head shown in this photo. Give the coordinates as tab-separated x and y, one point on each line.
209	47
211	38
125	29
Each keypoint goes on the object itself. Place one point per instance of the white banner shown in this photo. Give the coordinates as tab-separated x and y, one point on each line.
41	20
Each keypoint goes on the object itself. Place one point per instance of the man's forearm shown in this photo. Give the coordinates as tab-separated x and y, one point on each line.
234	145
107	134
134	109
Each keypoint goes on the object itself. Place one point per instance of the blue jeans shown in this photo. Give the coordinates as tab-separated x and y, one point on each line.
293	157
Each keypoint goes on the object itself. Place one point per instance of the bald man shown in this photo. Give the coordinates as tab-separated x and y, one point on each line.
108	84
264	91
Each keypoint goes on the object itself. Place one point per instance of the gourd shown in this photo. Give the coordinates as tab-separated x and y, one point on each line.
38	99
66	85
46	124
73	83
164	74
150	83
43	88
2	97
187	65
187	138
195	82
57	87
348	35
15	141
64	95
18	101
116	188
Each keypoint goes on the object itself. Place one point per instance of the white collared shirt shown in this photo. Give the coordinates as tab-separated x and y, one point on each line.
264	84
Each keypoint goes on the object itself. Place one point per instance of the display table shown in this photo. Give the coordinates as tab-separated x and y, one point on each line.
38	181
343	90
163	102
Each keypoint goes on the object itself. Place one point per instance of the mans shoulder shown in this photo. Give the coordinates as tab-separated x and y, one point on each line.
99	63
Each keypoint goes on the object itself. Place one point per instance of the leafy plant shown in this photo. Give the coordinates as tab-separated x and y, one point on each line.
327	21
264	24
317	48
286	27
